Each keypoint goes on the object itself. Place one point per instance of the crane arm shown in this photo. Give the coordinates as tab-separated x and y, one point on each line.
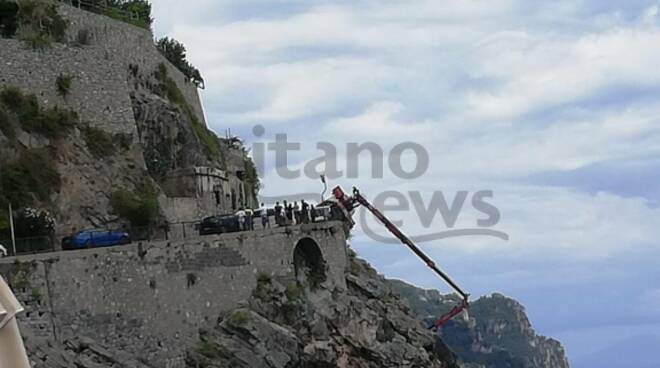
347	204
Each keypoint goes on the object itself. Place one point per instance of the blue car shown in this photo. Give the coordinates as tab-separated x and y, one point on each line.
96	238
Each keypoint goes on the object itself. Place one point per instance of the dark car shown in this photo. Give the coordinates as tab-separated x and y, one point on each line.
219	224
96	238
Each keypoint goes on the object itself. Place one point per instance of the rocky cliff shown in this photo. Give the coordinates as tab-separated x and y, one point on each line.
373	322
495	333
107	115
287	323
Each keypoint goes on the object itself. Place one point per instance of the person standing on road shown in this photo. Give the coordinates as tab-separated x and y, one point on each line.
289	214
278	214
265	222
241	219
305	211
296	212
249	218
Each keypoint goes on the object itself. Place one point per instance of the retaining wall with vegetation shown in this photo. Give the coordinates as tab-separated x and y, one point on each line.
99	69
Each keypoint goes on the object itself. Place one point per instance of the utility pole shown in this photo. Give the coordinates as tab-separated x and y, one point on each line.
11	216
11	226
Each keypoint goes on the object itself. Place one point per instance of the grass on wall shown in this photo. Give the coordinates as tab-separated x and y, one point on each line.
19	109
139	206
99	142
31	177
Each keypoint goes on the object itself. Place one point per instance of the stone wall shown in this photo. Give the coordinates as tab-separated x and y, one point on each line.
99	89
154	303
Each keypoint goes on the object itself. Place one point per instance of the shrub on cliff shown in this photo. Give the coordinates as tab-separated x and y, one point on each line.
175	52
63	84
138	11
7	123
54	123
139	206
99	142
8	18
32	177
39	23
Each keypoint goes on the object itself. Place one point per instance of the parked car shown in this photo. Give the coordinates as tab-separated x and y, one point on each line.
322	213
219	224
96	238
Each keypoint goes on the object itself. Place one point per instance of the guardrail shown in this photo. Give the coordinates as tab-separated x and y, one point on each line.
50	243
102	7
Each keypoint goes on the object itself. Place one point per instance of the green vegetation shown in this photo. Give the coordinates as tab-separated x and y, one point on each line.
8	123
293	291
125	140
239	318
36	293
17	109
139	12
175	52
159	158
208	349
63	84
315	279
8	18
136	12
18	275
263	277
139	206
167	88
31	177
39	23
99	142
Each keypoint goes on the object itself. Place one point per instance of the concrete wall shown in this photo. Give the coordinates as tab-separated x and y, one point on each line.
99	90
156	304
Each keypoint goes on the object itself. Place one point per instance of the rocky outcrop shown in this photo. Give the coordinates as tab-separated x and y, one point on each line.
286	324
166	135
79	353
494	333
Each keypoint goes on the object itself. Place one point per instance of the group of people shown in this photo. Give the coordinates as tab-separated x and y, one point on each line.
246	219
285	214
292	213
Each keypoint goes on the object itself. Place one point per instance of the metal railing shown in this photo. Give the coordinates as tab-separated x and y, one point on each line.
102	7
50	243
171	231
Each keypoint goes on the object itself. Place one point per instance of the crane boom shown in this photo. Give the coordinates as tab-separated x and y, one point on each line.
347	204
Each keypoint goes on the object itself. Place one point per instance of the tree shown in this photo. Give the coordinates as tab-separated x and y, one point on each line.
175	52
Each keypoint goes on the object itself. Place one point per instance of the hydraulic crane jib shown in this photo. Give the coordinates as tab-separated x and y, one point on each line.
348	203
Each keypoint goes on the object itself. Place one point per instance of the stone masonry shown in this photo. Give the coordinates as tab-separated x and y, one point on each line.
99	88
152	298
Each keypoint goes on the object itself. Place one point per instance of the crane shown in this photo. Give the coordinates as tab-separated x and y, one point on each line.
348	203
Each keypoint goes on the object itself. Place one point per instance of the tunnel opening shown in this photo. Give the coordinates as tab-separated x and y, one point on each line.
309	264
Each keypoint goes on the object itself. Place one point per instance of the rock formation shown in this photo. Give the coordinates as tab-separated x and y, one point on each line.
495	333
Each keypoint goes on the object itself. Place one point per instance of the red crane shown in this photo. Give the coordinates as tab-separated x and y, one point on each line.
348	203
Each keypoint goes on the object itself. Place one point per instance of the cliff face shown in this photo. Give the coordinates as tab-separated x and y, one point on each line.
305	322
303	326
115	115
495	333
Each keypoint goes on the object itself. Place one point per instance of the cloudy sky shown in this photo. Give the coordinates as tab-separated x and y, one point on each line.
551	105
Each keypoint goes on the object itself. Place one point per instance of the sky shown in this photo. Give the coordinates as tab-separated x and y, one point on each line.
551	106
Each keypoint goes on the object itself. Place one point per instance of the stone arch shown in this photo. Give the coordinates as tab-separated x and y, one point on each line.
308	262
